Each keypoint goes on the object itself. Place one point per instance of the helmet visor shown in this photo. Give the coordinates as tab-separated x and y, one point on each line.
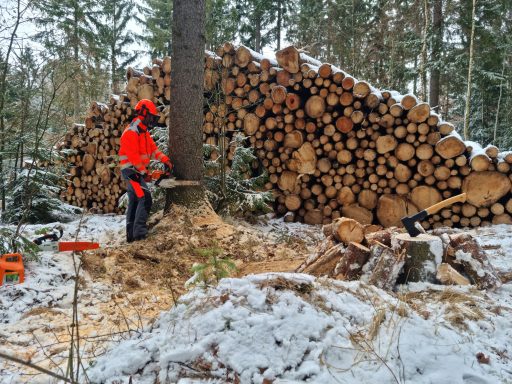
150	120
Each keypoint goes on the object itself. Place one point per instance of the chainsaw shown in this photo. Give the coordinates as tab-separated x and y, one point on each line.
12	270
165	179
50	242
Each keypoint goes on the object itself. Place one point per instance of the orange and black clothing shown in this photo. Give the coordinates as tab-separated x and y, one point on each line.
138	148
136	151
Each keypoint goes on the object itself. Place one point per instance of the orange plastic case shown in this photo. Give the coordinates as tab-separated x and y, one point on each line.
11	269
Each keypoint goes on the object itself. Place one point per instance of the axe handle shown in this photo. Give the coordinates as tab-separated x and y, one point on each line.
455	199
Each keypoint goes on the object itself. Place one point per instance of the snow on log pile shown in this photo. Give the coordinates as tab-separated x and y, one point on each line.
333	146
385	257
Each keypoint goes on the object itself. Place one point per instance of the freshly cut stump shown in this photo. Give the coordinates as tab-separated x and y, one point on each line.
423	254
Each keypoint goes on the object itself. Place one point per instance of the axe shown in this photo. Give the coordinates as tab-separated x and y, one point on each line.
410	221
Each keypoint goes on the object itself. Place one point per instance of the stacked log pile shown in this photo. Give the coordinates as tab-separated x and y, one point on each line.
385	257
333	146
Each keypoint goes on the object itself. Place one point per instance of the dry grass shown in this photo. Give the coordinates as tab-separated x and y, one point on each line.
458	306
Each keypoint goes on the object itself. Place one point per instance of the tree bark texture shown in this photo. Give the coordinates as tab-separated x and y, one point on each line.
435	74
187	73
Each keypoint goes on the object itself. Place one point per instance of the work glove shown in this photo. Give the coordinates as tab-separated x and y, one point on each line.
146	177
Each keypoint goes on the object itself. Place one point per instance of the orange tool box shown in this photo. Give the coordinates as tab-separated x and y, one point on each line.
11	269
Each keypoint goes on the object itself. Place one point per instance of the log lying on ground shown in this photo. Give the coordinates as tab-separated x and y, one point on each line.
447	275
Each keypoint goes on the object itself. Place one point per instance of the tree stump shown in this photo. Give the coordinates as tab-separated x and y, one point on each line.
423	254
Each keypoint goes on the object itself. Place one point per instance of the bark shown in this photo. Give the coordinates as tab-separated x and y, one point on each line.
423	254
467	109
435	74
186	108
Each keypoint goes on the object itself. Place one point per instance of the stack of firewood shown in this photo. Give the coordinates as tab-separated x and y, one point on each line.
385	257
333	146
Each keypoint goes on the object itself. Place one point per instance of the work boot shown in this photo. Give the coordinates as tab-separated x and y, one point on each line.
138	238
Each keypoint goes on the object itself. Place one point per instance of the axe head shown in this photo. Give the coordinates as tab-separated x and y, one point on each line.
409	222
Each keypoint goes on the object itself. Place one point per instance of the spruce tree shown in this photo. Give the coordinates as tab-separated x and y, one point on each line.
68	30
116	38
221	22
156	18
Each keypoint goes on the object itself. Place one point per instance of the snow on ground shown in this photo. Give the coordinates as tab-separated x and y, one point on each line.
281	328
295	328
285	328
48	281
276	228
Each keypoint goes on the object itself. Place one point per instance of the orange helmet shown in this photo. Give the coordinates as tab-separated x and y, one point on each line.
144	106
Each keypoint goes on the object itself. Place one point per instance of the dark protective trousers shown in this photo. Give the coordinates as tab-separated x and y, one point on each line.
139	205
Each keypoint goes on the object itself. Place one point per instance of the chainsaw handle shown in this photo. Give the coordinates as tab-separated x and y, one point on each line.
49	236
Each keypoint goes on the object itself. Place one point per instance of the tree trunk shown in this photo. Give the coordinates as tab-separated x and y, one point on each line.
279	23
76	91
437	40
470	73
186	107
424	49
3	87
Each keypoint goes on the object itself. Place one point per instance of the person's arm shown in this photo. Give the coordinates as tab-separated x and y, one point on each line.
130	144
158	154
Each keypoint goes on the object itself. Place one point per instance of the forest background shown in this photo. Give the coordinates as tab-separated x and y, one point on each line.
56	56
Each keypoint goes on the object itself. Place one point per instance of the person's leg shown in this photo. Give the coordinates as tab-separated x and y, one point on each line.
140	229
129	176
130	212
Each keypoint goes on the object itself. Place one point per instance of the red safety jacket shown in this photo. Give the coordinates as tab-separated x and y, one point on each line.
138	147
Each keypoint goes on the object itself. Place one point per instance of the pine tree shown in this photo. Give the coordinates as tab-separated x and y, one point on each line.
116	37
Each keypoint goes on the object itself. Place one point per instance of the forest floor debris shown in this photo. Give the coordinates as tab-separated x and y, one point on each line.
129	286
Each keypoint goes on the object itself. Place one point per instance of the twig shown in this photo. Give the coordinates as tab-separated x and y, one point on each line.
37	368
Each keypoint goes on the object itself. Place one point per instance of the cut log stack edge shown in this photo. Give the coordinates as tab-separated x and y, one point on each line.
333	146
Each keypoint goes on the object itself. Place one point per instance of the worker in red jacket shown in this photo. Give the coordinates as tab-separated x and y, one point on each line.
137	149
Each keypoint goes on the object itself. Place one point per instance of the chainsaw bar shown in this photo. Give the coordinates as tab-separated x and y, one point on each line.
171	182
